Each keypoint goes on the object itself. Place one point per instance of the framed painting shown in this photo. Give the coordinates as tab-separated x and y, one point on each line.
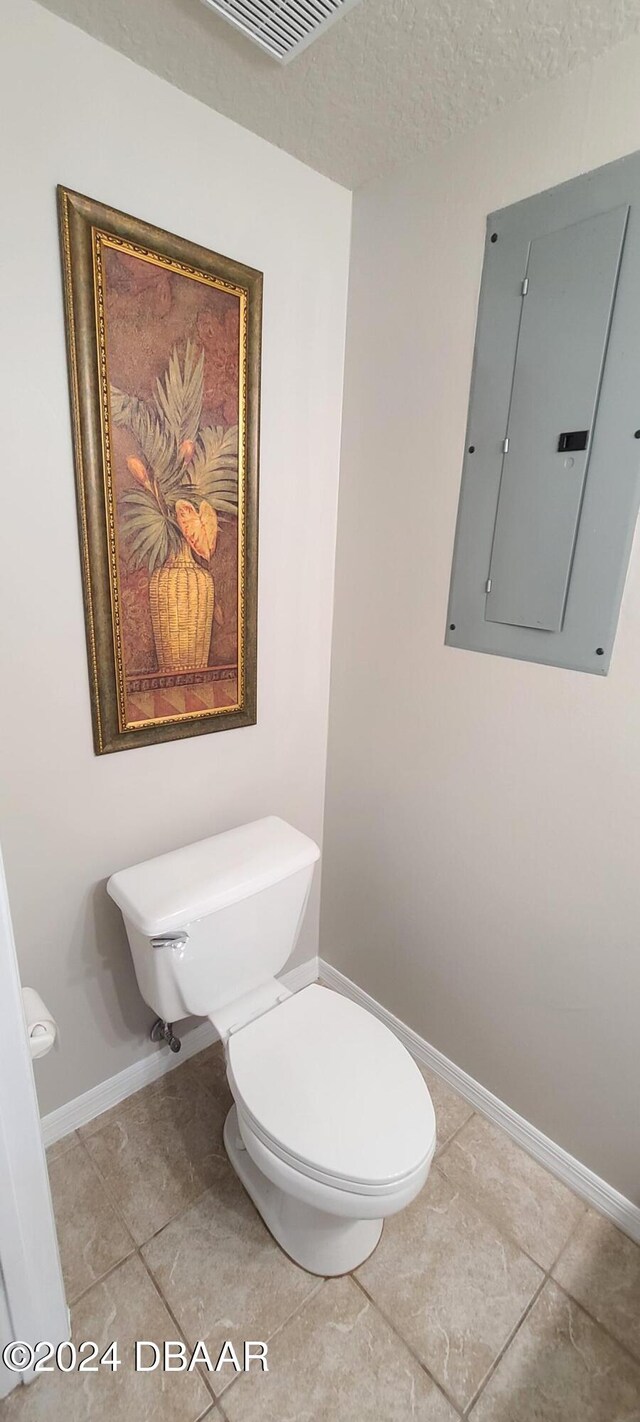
163	341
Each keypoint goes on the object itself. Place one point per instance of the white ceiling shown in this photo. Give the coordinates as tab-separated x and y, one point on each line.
389	80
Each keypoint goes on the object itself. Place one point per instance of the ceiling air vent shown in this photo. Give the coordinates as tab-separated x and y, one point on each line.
281	27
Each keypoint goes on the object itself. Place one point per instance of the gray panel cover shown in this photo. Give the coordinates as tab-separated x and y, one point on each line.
571	283
543	536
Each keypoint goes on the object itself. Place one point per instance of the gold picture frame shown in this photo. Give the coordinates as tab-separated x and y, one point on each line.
164	351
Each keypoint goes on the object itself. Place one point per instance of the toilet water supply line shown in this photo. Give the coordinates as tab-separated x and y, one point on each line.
163	1031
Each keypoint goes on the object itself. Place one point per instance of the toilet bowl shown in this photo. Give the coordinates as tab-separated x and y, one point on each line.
332	1127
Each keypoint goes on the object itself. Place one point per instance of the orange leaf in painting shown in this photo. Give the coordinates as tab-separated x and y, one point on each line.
200	527
137	468
187	450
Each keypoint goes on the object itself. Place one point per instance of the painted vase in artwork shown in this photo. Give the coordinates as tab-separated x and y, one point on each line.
181	598
185	476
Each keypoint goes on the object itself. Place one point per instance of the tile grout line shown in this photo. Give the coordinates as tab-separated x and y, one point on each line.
595	1321
202	1374
574	1229
409	1347
102	1280
546	1276
501	1228
110	1194
312	1293
120	1219
547	1272
281	1326
442	1150
137	1248
174	1218
75	1138
549	1279
113	1199
498	1359
549	1276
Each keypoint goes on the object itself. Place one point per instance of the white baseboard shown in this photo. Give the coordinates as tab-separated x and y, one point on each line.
578	1177
149	1068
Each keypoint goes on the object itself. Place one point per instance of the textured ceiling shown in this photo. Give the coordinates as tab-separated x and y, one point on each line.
389	80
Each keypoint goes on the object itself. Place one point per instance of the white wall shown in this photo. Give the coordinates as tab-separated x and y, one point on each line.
75	112
482	852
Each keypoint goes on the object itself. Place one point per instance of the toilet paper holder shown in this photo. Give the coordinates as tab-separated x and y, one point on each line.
41	1026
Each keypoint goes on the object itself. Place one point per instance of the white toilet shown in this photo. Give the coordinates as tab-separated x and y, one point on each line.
333	1127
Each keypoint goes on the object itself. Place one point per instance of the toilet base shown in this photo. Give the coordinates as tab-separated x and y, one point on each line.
321	1243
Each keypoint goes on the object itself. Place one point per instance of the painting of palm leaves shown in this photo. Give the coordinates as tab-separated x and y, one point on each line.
172	392
185	475
187	472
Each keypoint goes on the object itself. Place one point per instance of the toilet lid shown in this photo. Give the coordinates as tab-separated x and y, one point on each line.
329	1085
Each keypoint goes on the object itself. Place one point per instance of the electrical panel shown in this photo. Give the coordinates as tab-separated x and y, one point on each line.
551	475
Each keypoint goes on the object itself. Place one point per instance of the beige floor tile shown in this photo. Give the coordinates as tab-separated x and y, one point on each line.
210	1069
451	1110
91	1237
451	1284
337	1361
125	1306
561	1367
223	1275
600	1267
59	1147
136	1106
519	1195
158	1151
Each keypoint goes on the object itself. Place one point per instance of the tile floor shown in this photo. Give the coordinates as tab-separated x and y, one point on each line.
497	1296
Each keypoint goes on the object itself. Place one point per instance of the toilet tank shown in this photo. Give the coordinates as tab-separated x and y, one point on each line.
233	906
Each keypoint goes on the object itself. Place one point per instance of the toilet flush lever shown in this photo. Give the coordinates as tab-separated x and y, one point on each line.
177	941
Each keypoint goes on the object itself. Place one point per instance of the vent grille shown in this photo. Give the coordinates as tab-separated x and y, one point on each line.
281	27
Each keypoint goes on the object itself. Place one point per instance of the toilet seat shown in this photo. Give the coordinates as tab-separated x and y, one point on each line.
330	1091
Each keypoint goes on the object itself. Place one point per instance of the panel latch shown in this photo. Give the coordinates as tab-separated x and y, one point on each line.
572	440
